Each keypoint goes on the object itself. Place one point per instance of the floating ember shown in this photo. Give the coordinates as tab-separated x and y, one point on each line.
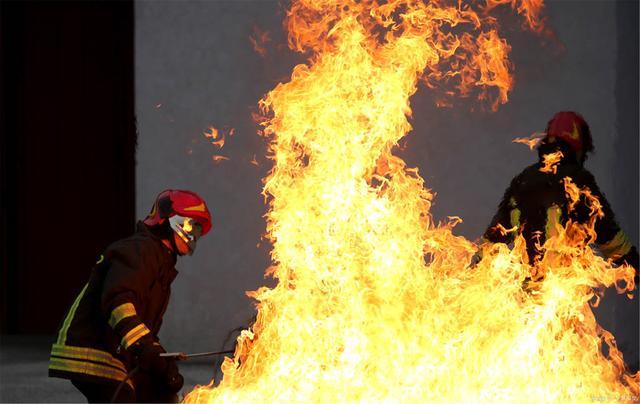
374	300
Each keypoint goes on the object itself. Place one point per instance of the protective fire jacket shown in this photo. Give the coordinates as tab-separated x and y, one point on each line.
124	300
535	201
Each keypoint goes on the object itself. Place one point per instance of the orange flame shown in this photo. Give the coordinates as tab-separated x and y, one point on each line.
532	141
550	162
212	133
374	300
219	143
217	158
531	10
217	137
258	40
488	66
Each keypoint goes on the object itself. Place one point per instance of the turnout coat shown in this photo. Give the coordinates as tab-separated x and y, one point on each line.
124	300
535	201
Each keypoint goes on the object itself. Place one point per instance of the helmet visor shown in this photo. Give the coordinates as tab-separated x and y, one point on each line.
188	229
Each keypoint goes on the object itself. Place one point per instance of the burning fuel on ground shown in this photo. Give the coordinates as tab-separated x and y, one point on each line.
375	301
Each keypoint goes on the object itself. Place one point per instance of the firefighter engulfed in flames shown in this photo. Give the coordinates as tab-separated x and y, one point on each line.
374	300
538	202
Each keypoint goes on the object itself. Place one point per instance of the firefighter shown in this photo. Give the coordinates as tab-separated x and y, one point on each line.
536	200
108	341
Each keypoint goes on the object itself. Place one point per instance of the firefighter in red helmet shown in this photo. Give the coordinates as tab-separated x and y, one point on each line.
108	341
536	198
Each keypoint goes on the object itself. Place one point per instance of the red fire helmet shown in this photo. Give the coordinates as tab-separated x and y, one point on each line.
569	127
178	202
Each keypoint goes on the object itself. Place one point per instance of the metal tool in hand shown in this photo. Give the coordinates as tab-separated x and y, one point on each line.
181	356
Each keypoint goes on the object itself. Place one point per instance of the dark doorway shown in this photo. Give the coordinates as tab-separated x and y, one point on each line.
67	151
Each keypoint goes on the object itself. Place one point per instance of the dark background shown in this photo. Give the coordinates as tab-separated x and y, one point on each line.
67	151
73	180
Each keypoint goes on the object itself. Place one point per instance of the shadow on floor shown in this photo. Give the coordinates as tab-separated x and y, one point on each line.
24	361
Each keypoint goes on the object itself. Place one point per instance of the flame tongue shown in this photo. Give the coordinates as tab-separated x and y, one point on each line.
359	313
550	162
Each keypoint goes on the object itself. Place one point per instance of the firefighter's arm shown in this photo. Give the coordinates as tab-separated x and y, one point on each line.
507	218
500	229
615	245
126	281
611	239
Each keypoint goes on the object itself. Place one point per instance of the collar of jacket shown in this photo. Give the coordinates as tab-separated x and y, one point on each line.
142	228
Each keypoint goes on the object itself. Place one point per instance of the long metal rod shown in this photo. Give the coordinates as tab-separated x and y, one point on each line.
185	356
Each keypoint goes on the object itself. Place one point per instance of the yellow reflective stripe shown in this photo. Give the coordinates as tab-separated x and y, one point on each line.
91	354
134	334
515	217
197	208
120	313
514	213
554	213
62	335
618	246
94	369
100	259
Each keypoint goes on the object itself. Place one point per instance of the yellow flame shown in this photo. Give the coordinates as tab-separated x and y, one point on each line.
186	225
374	300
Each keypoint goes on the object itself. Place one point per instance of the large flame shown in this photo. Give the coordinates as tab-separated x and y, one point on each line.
374	300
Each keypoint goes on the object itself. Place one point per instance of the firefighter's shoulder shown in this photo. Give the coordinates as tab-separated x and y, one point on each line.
136	250
525	176
583	177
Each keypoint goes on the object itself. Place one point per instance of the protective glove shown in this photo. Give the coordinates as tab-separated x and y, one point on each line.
147	352
475	260
174	379
630	258
164	370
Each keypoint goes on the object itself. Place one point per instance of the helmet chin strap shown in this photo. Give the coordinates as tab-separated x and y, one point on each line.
174	246
170	243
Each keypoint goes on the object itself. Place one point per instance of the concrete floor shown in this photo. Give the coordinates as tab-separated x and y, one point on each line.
23	373
24	361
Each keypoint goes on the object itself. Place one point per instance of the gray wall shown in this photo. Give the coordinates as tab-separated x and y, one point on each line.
196	60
